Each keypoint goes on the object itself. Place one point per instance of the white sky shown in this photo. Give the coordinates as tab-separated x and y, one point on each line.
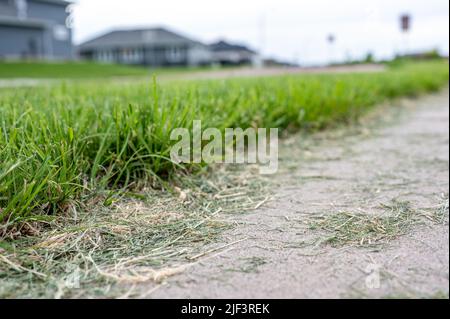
293	30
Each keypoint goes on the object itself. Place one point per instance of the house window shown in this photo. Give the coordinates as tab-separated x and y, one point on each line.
137	56
126	55
108	56
22	8
104	56
132	56
174	55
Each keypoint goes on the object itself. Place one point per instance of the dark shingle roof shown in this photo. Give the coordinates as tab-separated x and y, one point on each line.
225	46
137	37
58	2
27	23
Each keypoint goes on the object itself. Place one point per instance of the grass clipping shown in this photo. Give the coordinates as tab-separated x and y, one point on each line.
136	240
361	229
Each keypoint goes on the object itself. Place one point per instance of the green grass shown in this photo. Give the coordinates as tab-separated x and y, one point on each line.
66	144
66	70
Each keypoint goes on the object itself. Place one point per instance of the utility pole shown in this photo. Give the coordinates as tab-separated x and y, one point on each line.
262	40
331	41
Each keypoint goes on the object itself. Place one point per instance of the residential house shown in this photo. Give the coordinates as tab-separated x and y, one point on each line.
153	47
225	53
38	29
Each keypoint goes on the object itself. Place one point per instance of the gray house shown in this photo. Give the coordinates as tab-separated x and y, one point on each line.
38	29
153	47
225	53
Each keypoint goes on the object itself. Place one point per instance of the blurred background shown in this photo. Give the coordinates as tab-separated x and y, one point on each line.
234	32
293	31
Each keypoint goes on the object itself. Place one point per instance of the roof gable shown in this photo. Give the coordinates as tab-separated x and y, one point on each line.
56	2
225	46
138	37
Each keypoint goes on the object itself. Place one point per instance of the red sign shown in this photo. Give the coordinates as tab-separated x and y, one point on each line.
405	22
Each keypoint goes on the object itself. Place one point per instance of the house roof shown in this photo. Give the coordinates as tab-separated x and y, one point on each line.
26	23
225	46
137	37
58	2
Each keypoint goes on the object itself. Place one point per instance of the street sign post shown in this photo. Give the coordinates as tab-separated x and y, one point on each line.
405	26
405	21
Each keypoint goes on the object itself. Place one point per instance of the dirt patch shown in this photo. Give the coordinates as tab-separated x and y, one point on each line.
360	172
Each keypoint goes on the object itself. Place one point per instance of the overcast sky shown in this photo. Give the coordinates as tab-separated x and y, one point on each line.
293	30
